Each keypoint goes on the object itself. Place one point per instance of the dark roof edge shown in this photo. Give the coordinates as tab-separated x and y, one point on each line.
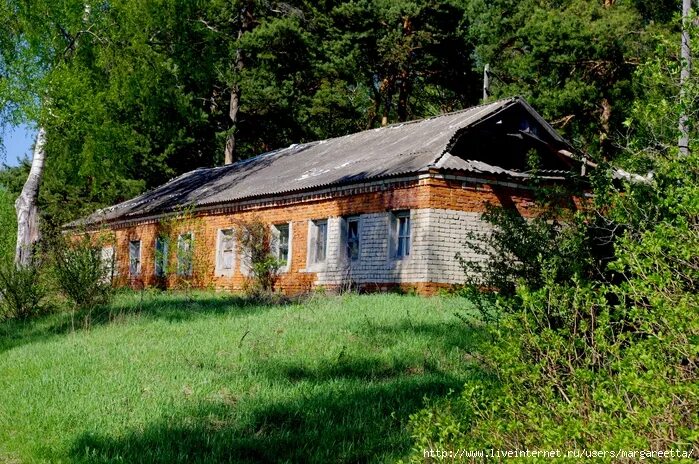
252	200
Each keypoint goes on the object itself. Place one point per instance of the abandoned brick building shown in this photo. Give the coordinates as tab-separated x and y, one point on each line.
380	208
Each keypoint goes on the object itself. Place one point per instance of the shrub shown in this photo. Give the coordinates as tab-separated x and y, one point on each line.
8	226
80	272
585	359
22	290
518	250
256	244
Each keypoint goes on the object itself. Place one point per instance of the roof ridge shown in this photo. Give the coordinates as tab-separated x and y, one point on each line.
390	126
450	113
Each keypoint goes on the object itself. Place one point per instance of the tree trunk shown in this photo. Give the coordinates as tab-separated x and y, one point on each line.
683	142
234	104
403	92
404	87
387	92
233	107
27	212
605	116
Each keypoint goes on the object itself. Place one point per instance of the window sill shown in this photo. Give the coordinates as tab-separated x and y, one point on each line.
316	267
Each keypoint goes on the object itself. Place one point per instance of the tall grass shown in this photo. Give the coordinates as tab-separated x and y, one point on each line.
210	378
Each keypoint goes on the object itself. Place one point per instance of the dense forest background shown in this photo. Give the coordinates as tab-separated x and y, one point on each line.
132	93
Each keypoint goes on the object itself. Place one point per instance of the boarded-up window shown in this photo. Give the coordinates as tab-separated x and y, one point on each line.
134	258
185	254
161	252
225	254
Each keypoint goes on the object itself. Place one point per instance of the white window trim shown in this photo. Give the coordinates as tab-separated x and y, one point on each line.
108	263
344	237
140	260
393	225
166	251
220	271
191	250
311	264
275	235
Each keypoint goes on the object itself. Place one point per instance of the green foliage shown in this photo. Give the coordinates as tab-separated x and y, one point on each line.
132	94
606	360
23	291
8	226
574	60
80	272
521	251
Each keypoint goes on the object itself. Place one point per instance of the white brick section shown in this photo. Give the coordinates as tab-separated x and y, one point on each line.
436	236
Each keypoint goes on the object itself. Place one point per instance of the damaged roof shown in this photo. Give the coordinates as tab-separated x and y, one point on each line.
399	149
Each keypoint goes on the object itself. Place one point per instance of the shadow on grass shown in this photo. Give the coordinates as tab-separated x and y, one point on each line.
169	306
347	407
329	420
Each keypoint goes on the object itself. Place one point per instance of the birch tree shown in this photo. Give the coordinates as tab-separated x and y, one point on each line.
26	204
686	56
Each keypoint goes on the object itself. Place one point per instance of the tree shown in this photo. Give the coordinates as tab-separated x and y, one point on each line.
26	207
573	60
37	33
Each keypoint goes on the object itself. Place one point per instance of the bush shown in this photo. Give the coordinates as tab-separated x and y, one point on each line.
8	226
22	290
256	244
80	272
579	359
517	250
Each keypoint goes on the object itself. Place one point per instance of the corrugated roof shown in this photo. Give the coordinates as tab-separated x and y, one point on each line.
411	147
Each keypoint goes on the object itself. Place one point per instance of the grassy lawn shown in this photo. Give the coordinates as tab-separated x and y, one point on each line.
206	378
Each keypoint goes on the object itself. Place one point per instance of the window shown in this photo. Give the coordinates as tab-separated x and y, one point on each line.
107	256
185	251
402	225
321	241
161	249
352	238
226	252
317	243
282	236
134	257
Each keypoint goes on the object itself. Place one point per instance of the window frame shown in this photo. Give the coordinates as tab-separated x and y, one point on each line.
108	263
276	234
220	269
190	270
160	261
137	271
402	243
320	224
346	224
313	264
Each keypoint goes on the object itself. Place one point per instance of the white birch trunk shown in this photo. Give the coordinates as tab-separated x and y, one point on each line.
686	55
27	212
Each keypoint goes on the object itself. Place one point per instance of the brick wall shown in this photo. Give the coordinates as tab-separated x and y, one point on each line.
441	211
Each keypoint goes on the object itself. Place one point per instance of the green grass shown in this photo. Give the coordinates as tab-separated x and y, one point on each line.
207	378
